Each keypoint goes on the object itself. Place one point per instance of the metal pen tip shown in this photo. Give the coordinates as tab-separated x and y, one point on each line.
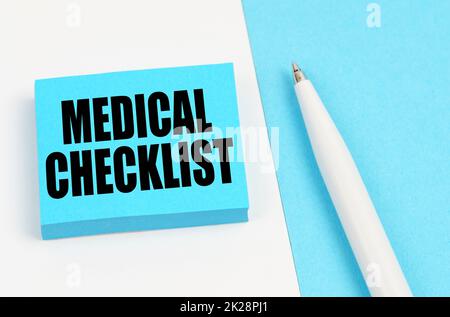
298	74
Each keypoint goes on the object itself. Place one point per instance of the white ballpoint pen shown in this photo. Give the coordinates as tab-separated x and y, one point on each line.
370	245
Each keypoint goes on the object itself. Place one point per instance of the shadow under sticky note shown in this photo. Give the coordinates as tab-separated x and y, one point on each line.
139	150
383	72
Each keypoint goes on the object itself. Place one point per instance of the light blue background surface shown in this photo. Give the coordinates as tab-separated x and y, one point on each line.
388	90
218	85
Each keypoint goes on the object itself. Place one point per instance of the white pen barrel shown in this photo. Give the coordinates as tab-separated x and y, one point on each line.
374	254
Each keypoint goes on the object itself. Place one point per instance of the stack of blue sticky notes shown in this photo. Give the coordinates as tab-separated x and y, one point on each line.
139	150
382	69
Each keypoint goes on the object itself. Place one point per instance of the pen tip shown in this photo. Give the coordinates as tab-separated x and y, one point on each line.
298	74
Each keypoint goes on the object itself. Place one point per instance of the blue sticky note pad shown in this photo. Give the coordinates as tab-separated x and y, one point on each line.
383	71
138	150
